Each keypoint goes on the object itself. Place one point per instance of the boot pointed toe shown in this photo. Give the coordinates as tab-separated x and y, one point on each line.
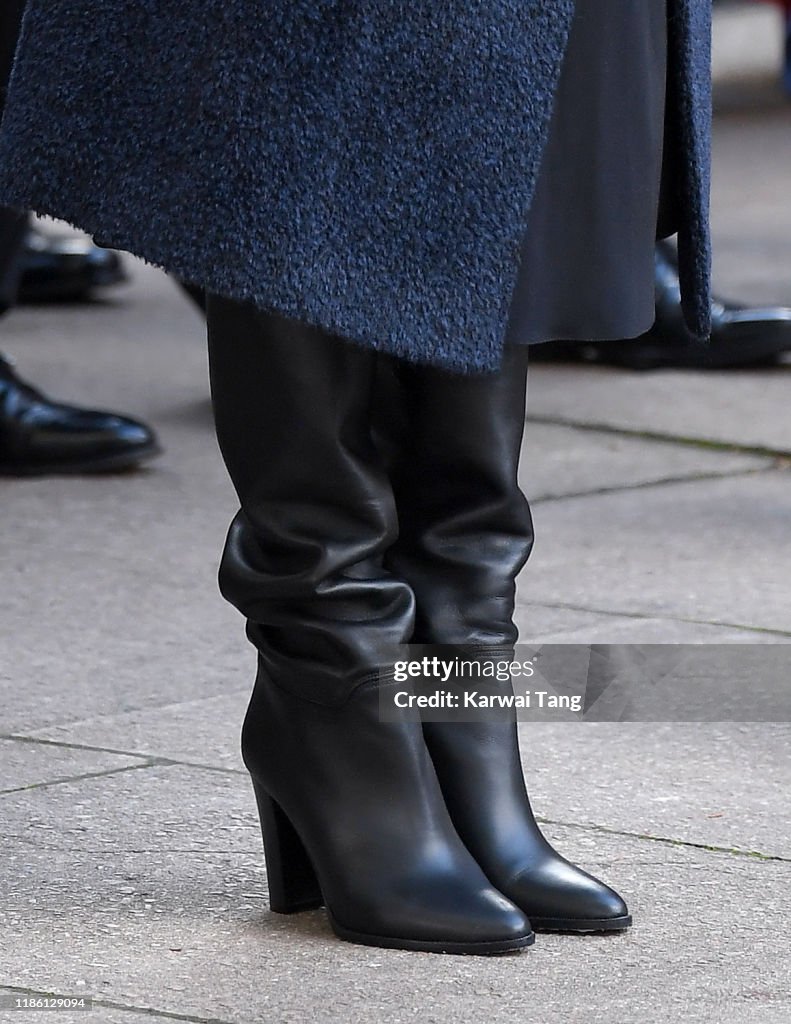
559	896
447	917
502	920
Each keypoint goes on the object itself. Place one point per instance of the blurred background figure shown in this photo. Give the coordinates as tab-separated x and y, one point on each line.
741	336
42	436
39	435
64	268
786	7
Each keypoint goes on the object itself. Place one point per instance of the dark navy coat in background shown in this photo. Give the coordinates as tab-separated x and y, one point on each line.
364	165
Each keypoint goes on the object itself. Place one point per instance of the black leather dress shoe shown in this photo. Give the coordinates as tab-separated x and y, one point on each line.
65	268
38	436
740	337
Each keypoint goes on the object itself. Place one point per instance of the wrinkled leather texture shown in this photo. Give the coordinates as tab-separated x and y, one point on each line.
38	435
303	561
364	798
465	529
466	532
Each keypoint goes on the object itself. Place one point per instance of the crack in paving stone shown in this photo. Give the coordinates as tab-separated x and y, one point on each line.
153	760
141	851
643	485
619	613
734	851
709	444
76	778
109	1004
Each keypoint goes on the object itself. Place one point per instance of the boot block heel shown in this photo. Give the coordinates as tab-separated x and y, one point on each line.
293	885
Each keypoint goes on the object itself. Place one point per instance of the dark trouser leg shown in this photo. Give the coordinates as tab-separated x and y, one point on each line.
10	20
13	229
13	225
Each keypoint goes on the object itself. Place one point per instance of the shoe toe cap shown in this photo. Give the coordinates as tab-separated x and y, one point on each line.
500	919
562	891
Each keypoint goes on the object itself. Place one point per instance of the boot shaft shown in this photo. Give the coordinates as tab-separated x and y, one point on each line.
465	529
303	560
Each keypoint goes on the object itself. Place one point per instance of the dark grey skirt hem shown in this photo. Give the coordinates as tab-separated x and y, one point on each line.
586	269
619	332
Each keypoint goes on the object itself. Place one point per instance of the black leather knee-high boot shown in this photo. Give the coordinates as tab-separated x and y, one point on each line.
351	809
465	532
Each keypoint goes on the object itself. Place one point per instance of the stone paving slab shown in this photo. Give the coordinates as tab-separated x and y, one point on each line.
744	409
101	1011
147	670
35	764
752	258
189	932
111	599
615	629
722	785
560	461
205	732
151	810
711	551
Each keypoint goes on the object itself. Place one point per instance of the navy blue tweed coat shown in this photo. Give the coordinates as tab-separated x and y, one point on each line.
364	165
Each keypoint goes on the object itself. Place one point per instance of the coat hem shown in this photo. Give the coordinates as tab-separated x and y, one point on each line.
158	257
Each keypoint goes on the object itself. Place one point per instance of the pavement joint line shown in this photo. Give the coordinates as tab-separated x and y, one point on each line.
151	760
581	826
709	444
733	851
61	780
166	706
136	851
141	851
642	485
110	1004
621	614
